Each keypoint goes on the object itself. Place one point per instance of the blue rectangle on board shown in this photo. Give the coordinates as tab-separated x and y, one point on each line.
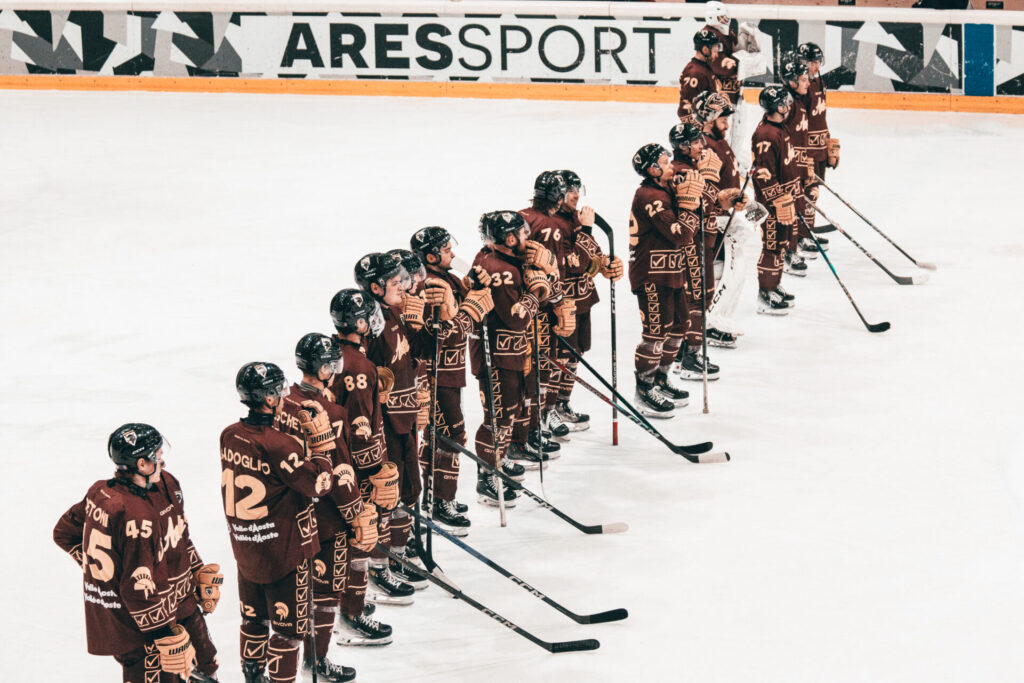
979	60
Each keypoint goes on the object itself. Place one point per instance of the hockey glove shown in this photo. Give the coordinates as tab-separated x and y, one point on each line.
439	293
709	165
208	580
688	187
756	213
177	656
385	383
596	262
478	303
364	529
812	193
536	282
423	398
613	271
316	427
728	63
526	306
833	153
412	311
479	275
730	198
539	256
566	312
385	486
784	209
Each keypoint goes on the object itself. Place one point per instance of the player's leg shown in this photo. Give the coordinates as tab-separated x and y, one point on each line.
657	311
580	340
771	300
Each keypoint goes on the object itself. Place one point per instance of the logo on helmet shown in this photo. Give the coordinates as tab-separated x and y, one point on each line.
260	369
130	437
325	343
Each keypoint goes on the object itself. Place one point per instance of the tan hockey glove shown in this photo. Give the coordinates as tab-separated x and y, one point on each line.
812	193
833	153
423	399
439	293
709	165
364	529
731	198
478	303
596	262
526	306
566	312
536	282
412	311
613	271
539	256
316	427
177	656
385	486
762	174
728	63
208	580
481	276
785	210
688	187
385	383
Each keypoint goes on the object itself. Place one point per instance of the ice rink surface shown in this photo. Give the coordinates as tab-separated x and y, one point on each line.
868	528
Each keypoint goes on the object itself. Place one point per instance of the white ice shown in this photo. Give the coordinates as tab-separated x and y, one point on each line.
868	527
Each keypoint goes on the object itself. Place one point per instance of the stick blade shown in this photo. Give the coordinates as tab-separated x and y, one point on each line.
574	645
720	456
605	617
878	327
927	265
614	528
921	278
695	449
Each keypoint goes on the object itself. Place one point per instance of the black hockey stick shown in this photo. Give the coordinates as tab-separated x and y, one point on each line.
541	393
681	449
702	458
872	327
614	528
428	487
603	225
919	264
598	618
703	302
741	197
485	340
901	279
563	646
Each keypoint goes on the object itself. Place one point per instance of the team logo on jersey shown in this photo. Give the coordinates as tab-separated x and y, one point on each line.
319	567
401	350
177	494
819	107
131	437
803	123
345	474
281	610
144	581
323	483
260	369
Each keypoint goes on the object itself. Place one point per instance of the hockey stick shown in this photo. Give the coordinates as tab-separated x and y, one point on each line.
872	327
901	279
614	528
710	457
742	196
429	488
563	646
597	618
681	449
485	339
704	302
920	264
540	396
603	225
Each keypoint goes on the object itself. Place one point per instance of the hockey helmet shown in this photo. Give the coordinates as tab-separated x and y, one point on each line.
683	135
316	350
647	157
430	240
495	226
376	268
132	441
773	98
810	52
706	38
715	12
349	306
256	382
709	106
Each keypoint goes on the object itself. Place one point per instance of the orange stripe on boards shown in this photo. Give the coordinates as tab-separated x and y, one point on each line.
526	91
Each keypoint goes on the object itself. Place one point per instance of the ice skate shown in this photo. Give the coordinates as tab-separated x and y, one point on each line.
770	302
651	402
576	422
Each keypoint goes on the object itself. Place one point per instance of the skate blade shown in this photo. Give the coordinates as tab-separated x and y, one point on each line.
721	344
696	376
809	254
668	415
490	502
529	466
379	598
773	311
457	531
580	426
795	273
681	402
353	640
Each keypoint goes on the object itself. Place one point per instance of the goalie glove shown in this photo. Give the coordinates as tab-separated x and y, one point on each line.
566	312
412	311
208	580
785	210
385	486
439	293
709	165
385	383
756	213
316	427
478	303
833	153
688	187
539	256
177	655
364	529
536	282
613	270
732	197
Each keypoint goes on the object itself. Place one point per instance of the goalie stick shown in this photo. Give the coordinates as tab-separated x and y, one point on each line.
597	618
900	279
614	528
556	647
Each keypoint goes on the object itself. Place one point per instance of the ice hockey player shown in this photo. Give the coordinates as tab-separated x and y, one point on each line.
777	183
663	222
741	243
268	480
394	351
794	74
357	388
341	516
689	154
583	261
697	76
822	148
435	247
143	581
517	289
558	314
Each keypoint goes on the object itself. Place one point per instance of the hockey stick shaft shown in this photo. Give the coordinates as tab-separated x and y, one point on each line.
492	404
617	527
901	279
920	264
597	618
429	488
540	395
743	192
604	225
565	646
703	304
871	327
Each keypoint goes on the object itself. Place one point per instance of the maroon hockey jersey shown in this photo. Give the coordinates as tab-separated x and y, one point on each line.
817	120
508	331
452	336
355	389
656	235
776	166
397	348
697	77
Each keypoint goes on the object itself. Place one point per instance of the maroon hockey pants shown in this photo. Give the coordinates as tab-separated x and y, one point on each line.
452	424
774	237
511	415
579	340
664	316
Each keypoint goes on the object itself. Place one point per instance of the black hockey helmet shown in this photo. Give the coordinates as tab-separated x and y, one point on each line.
684	134
706	38
430	240
549	187
647	156
415	272
132	441
376	268
349	306
792	67
495	226
810	52
773	98
257	381
572	180
710	105
316	350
